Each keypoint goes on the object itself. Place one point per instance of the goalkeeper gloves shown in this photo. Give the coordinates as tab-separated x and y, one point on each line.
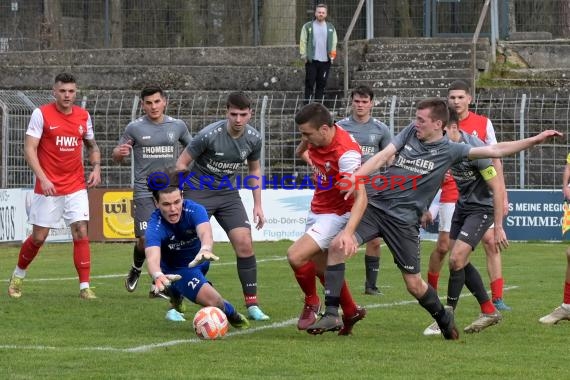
204	255
163	281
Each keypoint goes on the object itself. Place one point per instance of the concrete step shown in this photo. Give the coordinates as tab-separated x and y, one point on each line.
172	77
374	75
416	65
407	83
423	47
559	73
559	84
422	56
406	94
426	40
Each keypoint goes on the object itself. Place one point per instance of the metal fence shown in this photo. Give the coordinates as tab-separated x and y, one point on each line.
514	116
95	24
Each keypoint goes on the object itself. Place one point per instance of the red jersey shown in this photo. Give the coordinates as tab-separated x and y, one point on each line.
478	126
449	191
61	146
327	165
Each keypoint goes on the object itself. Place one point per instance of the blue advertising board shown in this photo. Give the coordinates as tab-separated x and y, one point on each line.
535	215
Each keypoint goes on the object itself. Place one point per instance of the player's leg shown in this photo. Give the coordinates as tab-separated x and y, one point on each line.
142	209
562	312
403	242
494	269
230	213
372	267
367	230
45	213
437	257
300	255
323	69
76	215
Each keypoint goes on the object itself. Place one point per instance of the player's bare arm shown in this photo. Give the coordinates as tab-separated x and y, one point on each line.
503	149
184	160
31	156
497	187
121	151
565	182
255	183
346	241
94	154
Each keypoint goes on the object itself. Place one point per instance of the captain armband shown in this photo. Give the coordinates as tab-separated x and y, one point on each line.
488	173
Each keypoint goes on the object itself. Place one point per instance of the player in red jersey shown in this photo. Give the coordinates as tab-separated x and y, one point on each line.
562	312
333	153
459	97
53	149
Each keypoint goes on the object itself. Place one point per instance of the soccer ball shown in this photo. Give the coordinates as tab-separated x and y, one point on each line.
210	323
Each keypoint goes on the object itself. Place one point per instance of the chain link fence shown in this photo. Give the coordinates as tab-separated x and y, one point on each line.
96	24
514	116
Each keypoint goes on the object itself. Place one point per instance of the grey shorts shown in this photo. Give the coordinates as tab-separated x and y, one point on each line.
470	226
225	206
143	208
402	239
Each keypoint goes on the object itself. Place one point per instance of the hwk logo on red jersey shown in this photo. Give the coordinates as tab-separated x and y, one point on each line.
66	141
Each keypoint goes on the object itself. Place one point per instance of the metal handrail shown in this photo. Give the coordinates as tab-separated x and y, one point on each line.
474	44
345	44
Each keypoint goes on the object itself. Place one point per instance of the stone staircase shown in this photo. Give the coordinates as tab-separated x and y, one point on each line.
417	67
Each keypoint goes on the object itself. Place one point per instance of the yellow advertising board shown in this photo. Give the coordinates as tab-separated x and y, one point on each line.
118	223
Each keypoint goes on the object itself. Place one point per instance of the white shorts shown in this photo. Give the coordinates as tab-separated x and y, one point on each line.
47	211
324	227
445	216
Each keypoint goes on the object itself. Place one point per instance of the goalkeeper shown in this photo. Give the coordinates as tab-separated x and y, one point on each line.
178	250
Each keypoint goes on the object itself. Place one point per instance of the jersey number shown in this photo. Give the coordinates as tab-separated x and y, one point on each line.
193	283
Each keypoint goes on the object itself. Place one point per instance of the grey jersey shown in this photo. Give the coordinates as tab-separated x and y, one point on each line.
474	193
217	156
416	174
155	147
373	136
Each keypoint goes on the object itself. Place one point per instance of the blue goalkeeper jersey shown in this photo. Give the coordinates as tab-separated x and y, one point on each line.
179	243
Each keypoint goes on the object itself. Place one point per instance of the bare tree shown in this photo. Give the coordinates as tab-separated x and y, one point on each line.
406	24
51	36
565	18
274	30
116	24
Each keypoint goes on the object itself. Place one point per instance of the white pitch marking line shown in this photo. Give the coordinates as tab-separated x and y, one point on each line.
124	274
150	347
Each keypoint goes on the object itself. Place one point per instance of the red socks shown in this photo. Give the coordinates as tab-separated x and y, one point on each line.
567	293
305	276
27	253
433	279
497	289
82	259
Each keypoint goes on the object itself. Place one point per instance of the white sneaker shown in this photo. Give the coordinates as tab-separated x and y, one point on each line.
559	314
432	329
484	321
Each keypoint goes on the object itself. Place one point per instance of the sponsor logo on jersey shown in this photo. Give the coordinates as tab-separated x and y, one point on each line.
171	136
80	129
51	127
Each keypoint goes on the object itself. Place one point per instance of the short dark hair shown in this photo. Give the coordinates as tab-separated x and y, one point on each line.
321	5
453	116
238	100
158	184
65	78
363	91
459	85
151	90
439	109
314	113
